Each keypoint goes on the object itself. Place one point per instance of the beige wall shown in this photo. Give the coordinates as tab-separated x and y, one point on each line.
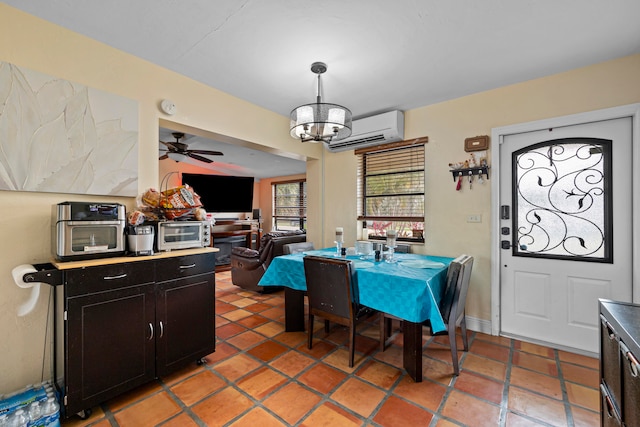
26	224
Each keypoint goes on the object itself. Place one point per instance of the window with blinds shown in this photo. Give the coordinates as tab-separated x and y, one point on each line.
290	205
391	190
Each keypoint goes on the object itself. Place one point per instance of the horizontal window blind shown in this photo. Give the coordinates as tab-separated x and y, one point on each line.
290	205
391	184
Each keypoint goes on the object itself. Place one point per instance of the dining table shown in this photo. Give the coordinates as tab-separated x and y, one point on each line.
409	288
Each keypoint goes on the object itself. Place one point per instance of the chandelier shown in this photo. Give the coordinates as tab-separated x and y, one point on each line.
320	121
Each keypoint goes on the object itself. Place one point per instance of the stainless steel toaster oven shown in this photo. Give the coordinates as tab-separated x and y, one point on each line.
172	235
85	230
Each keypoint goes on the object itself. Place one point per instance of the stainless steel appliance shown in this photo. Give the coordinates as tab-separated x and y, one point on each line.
140	239
172	235
85	230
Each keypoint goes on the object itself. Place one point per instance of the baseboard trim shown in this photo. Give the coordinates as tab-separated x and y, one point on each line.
479	325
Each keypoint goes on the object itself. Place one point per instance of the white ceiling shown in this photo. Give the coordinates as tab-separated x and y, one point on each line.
381	55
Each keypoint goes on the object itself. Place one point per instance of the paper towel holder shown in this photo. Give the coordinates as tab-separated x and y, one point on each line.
46	273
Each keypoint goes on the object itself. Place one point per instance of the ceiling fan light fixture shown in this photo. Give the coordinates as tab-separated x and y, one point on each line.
320	121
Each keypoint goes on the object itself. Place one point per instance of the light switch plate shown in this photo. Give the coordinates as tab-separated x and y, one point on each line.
474	218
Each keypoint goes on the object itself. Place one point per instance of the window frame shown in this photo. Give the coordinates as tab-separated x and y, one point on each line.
412	147
301	218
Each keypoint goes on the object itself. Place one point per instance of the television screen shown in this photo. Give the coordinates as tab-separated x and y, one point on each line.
222	193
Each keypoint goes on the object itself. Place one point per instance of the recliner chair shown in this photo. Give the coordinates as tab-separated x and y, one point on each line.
248	265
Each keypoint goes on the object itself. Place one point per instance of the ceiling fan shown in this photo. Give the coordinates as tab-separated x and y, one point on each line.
178	147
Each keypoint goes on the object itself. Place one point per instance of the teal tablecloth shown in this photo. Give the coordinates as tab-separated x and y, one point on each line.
404	291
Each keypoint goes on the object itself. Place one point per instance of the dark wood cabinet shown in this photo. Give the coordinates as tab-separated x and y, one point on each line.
619	366
124	324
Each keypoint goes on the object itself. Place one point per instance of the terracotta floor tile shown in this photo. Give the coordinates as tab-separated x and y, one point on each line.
223	351
358	396
223	307
262	382
436	370
257	307
258	417
392	356
246	339
340	359
484	366
236	315
134	395
319	349
490	350
480	386
149	412
441	352
540	364
292	363
242	302
579	359
534	381
292	339
228	297
534	349
237	366
396	412
197	387
379	374
275	313
517	420
267	350
329	414
426	393
585	418
253	321
581	375
182	420
322	378
503	341
470	410
230	329
270	329
222	407
281	402
536	406
186	372
586	397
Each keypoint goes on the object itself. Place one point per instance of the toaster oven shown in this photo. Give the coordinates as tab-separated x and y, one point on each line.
84	230
172	235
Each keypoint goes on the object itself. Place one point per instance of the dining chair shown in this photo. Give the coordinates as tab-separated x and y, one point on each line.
452	308
296	248
330	295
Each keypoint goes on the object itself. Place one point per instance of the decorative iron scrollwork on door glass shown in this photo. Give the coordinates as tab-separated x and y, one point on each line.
562	200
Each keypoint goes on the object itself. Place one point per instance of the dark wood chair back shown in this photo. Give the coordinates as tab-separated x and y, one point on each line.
330	292
329	287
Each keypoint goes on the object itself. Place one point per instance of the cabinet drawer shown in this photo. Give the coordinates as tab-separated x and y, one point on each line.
183	266
103	278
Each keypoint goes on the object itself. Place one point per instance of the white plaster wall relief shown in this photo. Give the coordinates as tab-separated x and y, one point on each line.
63	137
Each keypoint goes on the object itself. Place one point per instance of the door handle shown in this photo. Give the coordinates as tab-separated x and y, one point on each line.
161	329
151	328
504	212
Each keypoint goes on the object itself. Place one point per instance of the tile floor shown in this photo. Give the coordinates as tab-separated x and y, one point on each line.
263	376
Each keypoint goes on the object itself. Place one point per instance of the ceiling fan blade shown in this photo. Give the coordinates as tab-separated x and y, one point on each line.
198	157
211	153
164	156
168	144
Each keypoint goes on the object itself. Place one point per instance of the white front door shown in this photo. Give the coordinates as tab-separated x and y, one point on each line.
566	230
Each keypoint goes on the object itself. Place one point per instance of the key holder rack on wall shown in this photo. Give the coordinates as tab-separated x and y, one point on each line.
475	165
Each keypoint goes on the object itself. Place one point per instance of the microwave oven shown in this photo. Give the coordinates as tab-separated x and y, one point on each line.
85	230
172	235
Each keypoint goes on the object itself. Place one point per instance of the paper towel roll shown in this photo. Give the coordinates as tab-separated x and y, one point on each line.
18	272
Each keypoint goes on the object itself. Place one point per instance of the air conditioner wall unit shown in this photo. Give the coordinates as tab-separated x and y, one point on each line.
373	130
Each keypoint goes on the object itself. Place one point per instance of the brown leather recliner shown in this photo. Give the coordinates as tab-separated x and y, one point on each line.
248	265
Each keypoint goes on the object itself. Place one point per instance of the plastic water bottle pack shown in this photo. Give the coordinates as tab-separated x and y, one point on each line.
35	406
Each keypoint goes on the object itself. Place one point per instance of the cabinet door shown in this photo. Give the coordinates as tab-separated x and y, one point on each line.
185	318
110	344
